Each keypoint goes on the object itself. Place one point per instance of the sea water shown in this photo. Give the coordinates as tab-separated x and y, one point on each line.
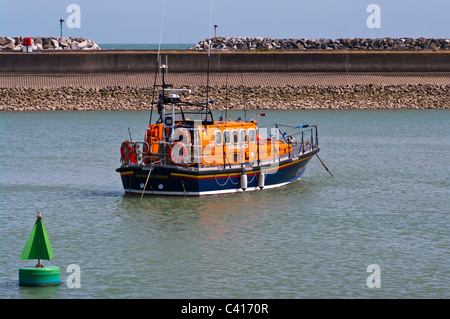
145	46
379	228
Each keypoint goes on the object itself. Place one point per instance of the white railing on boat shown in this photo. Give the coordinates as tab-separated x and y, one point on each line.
302	142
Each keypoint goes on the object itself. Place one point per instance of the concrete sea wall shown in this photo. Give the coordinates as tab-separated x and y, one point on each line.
92	62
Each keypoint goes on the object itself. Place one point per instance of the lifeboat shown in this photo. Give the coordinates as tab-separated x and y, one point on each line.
186	152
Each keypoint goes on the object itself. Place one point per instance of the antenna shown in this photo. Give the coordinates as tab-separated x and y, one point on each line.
243	97
164	74
167	65
226	95
159	66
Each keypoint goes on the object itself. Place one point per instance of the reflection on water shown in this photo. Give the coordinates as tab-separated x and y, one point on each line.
214	216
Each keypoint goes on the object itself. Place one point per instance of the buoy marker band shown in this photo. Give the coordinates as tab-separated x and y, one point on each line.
45	276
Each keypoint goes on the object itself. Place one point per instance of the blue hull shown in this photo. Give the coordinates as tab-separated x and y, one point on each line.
179	181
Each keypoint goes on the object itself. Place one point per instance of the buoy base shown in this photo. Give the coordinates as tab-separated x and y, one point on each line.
39	277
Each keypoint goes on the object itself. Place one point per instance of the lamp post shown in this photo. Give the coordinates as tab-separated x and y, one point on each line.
215	27
60	23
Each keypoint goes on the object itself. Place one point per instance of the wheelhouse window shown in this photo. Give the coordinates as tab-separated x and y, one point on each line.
218	137
235	134
243	136
226	137
251	135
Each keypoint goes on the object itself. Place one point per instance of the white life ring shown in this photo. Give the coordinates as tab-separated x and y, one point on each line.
178	153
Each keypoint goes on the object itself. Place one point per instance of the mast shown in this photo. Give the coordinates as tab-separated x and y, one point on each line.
158	63
243	97
161	103
209	54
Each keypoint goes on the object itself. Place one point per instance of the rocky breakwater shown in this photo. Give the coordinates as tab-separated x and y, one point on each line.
287	97
265	44
48	44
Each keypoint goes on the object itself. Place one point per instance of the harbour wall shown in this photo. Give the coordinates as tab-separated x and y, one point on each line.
105	61
301	97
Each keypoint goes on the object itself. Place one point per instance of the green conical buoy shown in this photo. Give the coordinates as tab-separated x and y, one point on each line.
38	247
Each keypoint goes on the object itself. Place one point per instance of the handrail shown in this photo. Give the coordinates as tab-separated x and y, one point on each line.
305	141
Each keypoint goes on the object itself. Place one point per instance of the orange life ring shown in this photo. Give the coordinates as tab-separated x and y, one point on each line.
127	153
178	153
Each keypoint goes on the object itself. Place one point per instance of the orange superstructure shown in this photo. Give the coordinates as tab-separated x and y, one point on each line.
221	143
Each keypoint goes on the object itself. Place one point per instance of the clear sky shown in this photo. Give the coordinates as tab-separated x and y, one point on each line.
188	21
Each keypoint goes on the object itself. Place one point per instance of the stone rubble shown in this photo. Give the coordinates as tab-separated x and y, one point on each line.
272	44
288	97
48	44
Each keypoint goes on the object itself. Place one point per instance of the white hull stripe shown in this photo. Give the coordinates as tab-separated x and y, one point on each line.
225	191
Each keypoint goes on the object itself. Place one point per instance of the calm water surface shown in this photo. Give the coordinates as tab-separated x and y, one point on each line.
145	46
387	204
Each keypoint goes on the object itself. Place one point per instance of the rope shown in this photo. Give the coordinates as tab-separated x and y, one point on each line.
234	182
254	176
148	176
221	185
